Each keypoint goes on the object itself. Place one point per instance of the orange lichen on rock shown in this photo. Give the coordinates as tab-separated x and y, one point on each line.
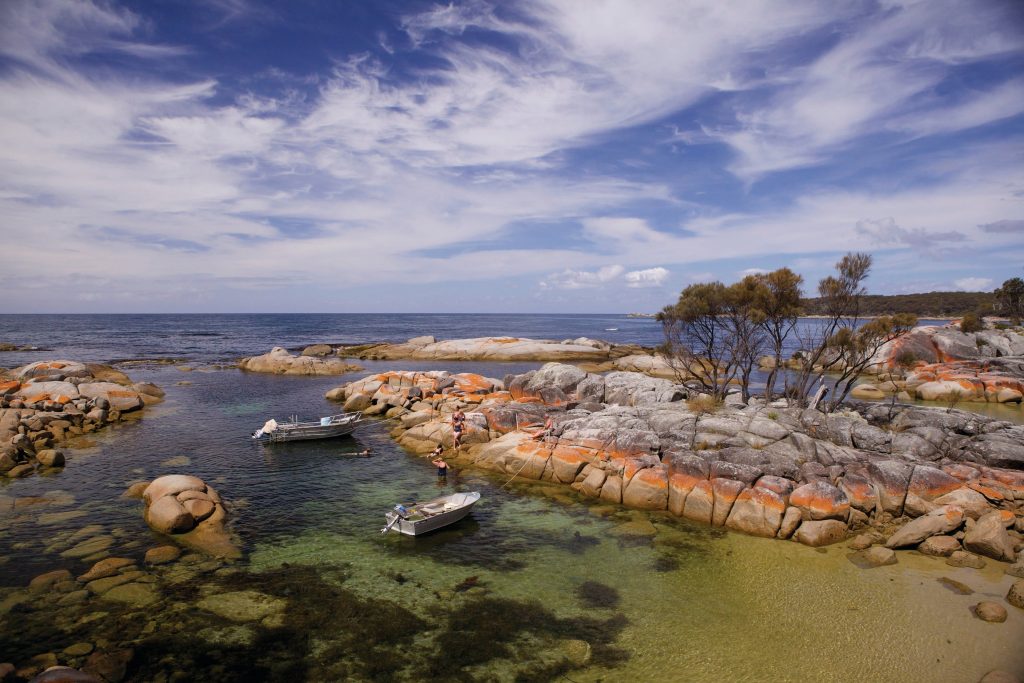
647	489
859	491
820	500
985	488
961	472
725	491
757	511
567	460
679	486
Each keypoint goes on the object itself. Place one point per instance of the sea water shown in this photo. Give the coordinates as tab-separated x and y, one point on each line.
537	584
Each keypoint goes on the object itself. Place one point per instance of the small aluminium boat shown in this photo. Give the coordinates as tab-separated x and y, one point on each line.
324	428
421	518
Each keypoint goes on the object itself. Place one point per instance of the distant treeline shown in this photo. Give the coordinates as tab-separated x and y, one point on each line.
926	305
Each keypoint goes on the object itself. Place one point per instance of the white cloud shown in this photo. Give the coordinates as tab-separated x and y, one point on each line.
883	72
613	229
885	231
974	284
752	271
579	279
650	277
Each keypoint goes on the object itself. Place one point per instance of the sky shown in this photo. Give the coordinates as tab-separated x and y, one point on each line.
528	156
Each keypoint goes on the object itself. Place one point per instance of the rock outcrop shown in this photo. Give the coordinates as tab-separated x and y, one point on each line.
191	512
941	363
634	440
493	349
279	362
945	343
49	402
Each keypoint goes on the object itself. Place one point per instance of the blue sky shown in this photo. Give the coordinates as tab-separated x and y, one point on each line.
532	156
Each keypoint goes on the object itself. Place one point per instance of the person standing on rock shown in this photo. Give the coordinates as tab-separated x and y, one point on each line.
440	464
458	424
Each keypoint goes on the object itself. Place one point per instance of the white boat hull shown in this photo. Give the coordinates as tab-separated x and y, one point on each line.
340	425
432	515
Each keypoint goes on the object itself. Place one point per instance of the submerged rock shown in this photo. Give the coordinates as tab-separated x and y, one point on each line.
878	556
986	610
960	558
242	606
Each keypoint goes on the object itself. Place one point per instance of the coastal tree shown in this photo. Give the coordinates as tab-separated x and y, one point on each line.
745	324
695	344
1010	298
713	335
839	300
779	303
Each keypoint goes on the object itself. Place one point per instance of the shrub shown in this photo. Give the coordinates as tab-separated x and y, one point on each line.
971	323
906	359
703	403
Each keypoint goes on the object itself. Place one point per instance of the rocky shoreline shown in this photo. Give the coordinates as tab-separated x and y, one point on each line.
595	355
49	403
944	364
935	364
949	484
624	438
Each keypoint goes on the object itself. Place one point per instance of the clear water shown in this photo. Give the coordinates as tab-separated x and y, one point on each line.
497	597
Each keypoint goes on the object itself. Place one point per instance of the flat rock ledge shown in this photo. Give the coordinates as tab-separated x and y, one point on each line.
191	513
770	471
279	362
511	349
47	403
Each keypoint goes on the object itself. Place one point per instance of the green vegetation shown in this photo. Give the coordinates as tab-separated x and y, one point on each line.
715	333
1010	299
971	322
926	305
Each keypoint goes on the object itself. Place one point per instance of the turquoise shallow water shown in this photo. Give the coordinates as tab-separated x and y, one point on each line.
537	584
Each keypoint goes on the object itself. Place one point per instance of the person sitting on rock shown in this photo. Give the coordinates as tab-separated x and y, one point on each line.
545	431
